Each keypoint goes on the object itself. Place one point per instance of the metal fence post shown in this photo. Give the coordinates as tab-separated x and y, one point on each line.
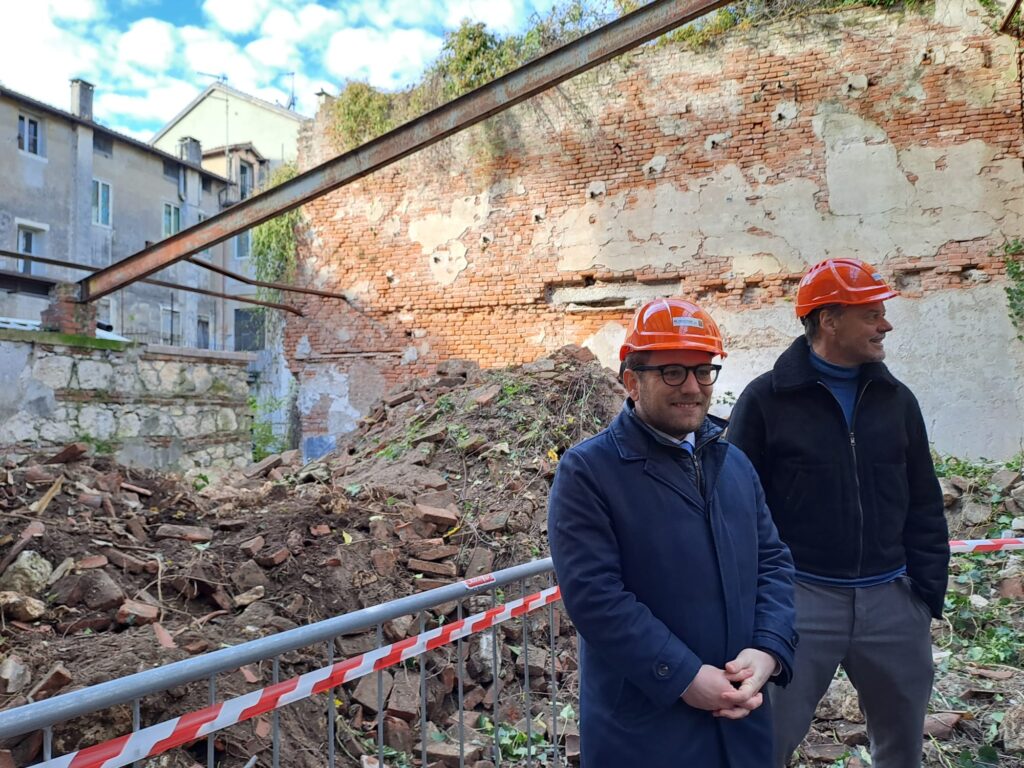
332	711
276	718
380	703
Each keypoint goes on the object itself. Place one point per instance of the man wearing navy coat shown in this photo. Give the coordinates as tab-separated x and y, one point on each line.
670	566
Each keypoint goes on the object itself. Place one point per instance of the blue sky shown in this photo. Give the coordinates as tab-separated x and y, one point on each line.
145	56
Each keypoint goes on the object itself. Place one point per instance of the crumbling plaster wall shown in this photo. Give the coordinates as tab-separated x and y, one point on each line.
152	406
719	176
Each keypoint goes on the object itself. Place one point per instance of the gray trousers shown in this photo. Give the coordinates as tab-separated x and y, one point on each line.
880	636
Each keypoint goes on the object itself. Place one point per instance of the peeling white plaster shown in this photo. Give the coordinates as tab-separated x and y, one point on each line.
605	344
966	15
329	389
445	266
855	86
438	236
860	165
715	140
881	203
655	165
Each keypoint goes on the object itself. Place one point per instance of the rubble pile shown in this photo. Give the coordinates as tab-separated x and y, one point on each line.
109	570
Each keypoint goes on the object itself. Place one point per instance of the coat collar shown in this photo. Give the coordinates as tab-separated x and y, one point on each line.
793	369
634	442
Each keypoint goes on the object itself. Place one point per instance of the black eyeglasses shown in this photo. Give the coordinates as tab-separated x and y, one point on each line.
674	375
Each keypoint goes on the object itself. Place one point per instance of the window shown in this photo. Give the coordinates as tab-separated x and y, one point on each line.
203	332
102	144
30	240
170	327
100	203
249	336
245	179
171	170
202	217
243	245
207	185
30	135
172	219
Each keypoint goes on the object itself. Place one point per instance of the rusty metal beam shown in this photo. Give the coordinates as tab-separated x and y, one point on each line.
587	52
1014	7
263	283
150	281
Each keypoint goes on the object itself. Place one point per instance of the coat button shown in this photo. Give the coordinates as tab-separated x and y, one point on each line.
662	670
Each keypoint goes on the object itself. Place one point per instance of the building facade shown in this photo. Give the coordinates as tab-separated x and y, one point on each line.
78	192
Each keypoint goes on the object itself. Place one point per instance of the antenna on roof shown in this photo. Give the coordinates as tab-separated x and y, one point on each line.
291	98
221	78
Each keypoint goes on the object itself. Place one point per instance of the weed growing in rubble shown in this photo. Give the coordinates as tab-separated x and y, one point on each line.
264	440
515	744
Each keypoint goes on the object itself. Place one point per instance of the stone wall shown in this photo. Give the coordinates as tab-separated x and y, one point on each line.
720	176
160	407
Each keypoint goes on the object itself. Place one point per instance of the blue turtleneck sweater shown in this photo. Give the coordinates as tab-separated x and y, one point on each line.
842	382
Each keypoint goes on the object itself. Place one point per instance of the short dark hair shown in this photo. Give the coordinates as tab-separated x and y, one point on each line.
633	359
812	321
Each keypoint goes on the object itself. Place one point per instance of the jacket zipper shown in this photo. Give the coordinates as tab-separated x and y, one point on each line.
856	473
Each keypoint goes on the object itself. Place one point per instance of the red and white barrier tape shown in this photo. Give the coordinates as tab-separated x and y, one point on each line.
156	739
984	545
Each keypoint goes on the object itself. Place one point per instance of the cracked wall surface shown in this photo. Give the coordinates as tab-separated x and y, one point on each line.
718	176
155	407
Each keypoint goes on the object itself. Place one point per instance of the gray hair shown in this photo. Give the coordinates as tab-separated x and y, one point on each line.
812	321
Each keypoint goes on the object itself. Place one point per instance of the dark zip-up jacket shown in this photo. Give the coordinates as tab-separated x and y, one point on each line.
850	501
664	568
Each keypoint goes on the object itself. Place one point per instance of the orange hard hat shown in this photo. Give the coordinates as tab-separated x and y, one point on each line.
840	281
672	324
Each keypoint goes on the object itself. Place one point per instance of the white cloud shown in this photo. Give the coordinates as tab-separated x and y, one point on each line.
148	43
389	60
272	52
40	64
160	103
236	17
316	21
206	51
501	16
76	10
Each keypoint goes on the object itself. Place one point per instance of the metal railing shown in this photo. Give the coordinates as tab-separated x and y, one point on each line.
533	706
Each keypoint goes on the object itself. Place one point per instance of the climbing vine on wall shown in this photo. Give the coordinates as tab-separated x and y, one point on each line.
273	243
1012	252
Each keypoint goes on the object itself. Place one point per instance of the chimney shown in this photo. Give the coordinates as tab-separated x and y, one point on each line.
81	99
190	150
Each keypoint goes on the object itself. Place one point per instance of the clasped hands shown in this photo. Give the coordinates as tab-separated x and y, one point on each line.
733	692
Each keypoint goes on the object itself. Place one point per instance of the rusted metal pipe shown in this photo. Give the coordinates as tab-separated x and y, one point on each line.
1010	13
263	283
161	283
563	63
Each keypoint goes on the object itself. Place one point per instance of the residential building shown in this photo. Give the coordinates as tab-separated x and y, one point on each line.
79	192
245	140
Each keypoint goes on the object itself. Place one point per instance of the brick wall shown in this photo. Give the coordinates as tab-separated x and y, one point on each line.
718	175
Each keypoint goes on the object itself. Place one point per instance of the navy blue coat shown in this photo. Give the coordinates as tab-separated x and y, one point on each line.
658	580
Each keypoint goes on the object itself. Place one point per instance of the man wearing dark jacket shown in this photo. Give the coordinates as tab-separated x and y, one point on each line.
670	566
842	452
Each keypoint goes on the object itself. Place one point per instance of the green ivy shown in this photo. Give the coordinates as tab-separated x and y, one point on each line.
1012	251
264	441
361	113
274	243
